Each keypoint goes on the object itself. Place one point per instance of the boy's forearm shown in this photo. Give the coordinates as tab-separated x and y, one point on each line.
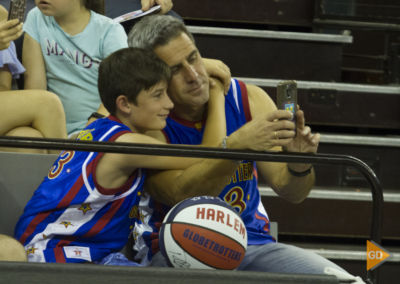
208	177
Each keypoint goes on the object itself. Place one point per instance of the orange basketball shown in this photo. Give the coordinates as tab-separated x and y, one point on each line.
203	232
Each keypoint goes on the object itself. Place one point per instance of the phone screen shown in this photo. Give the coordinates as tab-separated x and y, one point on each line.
286	97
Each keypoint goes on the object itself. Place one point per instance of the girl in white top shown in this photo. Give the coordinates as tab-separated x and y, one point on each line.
65	41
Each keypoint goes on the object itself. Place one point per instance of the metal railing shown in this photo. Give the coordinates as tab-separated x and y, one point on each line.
217	153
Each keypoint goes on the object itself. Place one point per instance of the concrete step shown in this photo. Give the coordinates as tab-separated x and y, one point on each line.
346	251
361	140
274	54
341	104
337	193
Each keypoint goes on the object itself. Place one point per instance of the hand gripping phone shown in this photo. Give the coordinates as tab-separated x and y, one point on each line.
286	97
17	10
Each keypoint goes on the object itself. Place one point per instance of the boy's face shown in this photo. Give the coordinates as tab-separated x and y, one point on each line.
189	82
151	109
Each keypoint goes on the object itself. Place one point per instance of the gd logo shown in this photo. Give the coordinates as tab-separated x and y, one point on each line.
375	255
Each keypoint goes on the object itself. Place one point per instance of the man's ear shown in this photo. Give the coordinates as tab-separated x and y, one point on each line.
123	104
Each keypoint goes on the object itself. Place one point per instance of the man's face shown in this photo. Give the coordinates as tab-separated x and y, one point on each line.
189	83
151	109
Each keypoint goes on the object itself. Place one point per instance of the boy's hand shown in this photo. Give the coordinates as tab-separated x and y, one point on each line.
218	69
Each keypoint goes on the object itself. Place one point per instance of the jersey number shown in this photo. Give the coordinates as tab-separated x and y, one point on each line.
65	157
235	197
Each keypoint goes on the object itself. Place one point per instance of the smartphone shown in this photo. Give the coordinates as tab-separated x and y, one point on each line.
17	10
286	97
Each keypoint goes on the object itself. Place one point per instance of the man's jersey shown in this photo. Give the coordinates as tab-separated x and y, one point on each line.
241	193
71	218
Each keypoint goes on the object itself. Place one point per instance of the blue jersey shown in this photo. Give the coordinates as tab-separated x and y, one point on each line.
71	218
241	193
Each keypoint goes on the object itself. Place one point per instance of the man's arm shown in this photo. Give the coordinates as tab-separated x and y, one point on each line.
32	59
210	176
291	187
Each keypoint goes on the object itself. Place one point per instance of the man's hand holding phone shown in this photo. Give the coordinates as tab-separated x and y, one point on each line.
305	141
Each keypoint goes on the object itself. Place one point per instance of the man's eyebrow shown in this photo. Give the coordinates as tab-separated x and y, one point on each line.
177	66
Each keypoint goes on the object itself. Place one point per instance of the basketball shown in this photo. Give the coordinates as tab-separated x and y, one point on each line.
205	233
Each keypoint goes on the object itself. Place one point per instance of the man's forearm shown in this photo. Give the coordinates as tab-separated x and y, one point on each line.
287	184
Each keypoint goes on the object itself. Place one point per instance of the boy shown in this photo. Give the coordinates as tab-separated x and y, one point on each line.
83	210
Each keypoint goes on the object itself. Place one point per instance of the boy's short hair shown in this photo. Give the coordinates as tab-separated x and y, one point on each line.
127	72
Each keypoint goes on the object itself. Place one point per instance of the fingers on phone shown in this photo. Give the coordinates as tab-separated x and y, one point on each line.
280	114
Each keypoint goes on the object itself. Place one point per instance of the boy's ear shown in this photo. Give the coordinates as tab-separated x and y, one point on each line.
122	104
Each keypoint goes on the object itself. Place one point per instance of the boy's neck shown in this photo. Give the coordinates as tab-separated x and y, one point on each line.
125	120
74	23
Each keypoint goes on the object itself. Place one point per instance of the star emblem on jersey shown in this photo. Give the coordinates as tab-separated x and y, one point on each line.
66	224
85	207
31	250
134	213
86	135
142	216
198	126
135	235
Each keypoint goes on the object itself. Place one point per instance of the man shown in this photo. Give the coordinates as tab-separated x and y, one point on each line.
246	105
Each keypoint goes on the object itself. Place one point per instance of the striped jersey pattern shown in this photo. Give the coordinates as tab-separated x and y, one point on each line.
70	217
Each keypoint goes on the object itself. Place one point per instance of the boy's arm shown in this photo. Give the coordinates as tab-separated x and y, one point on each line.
215	128
32	59
113	169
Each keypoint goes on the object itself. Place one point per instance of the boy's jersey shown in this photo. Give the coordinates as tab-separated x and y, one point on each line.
241	193
71	218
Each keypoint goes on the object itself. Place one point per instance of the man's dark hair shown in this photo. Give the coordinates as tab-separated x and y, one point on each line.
127	72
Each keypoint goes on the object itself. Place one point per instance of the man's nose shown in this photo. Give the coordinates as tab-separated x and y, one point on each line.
190	72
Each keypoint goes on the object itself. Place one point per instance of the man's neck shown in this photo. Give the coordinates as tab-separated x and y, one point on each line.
190	113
